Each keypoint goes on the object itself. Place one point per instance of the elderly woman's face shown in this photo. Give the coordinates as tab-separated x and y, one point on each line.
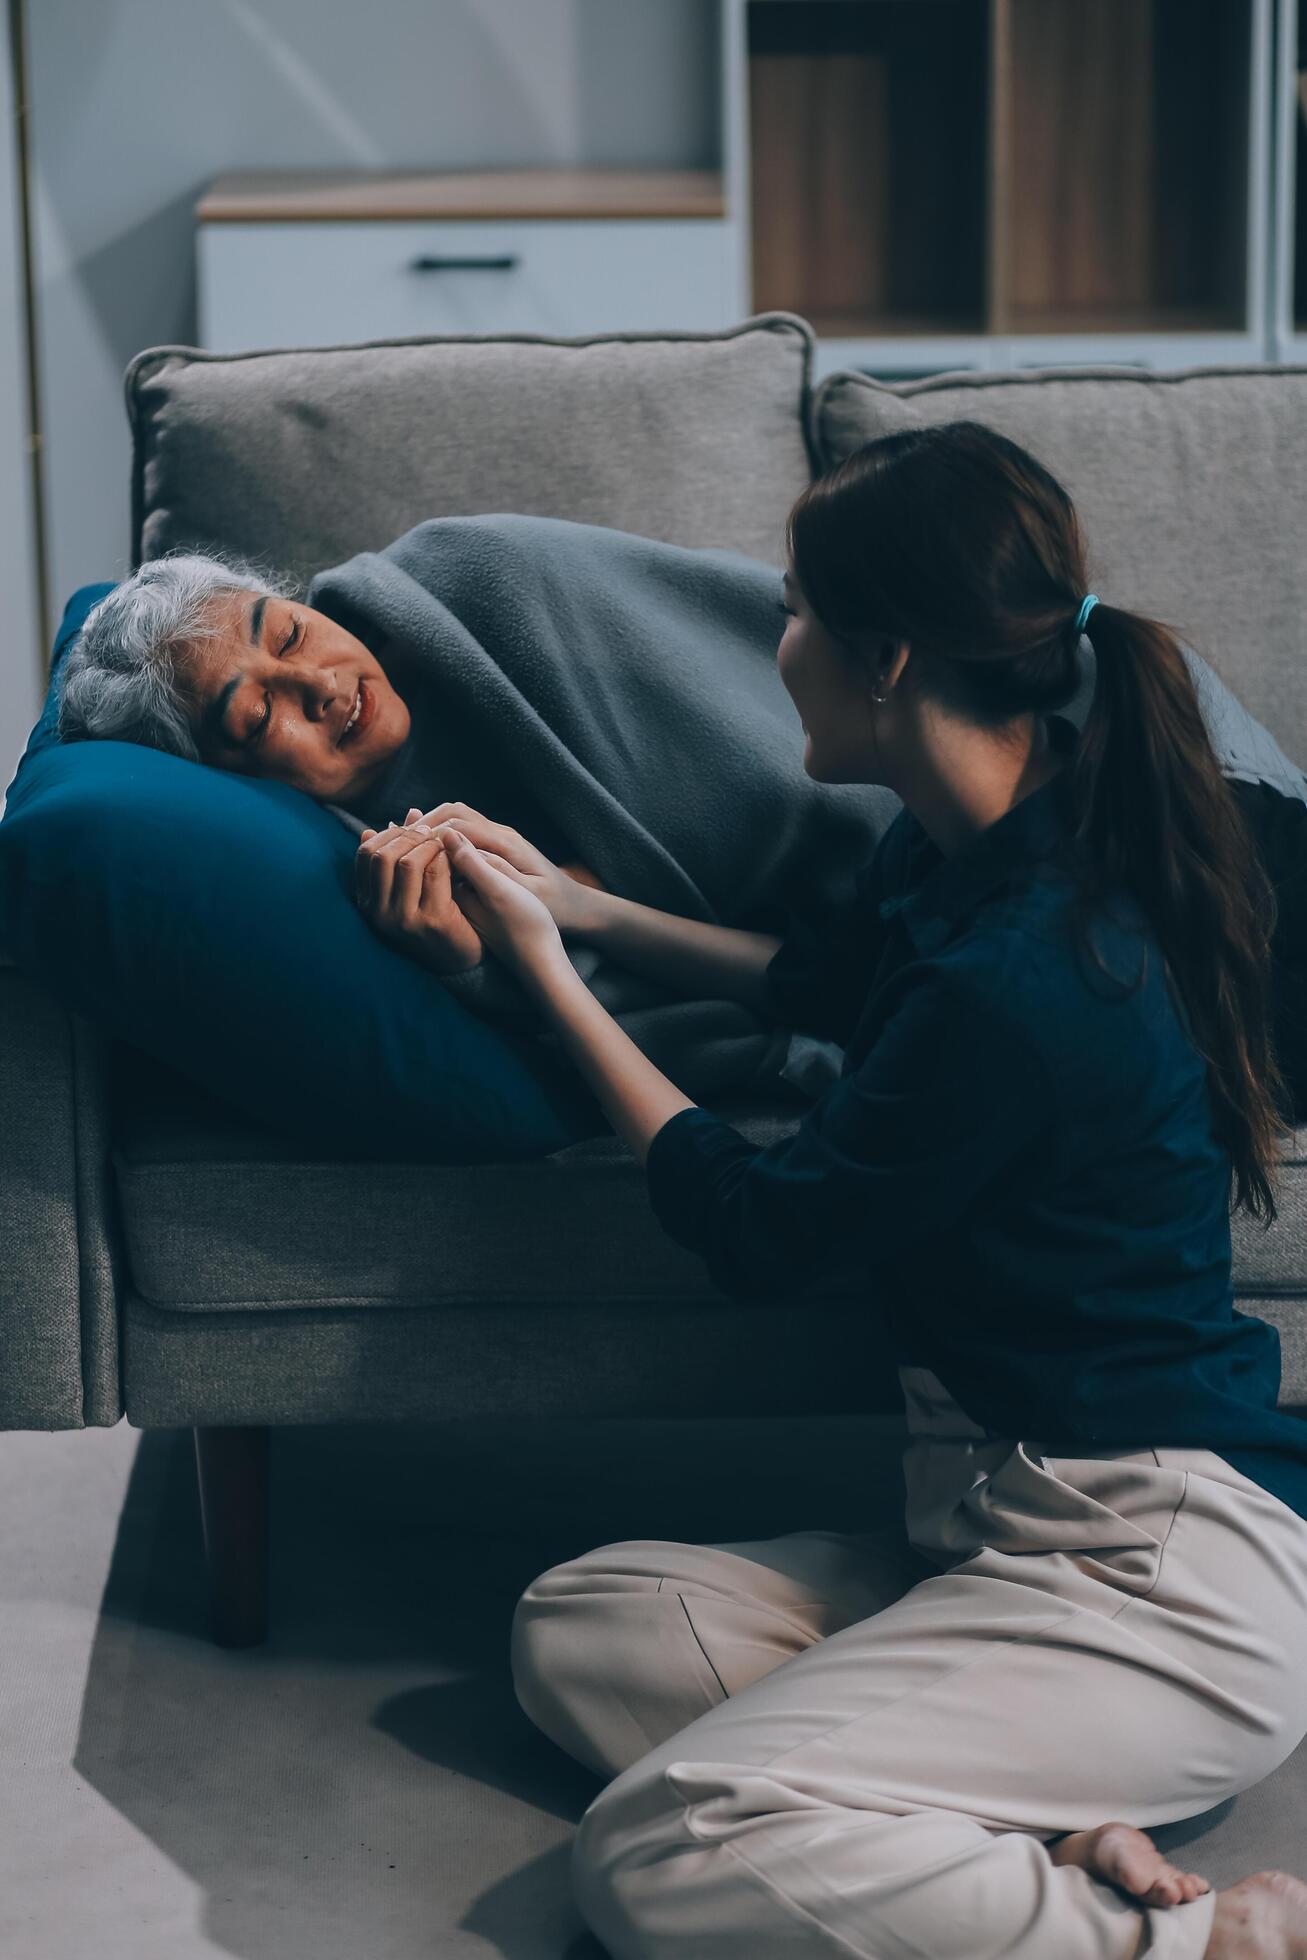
286	692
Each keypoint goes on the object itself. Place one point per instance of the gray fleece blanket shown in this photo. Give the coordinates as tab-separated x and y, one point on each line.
618	701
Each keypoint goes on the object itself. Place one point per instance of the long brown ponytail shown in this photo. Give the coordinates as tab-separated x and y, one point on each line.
956	539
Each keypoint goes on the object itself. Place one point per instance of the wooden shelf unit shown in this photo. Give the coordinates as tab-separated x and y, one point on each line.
1122	174
1289	294
867	122
995	183
934	184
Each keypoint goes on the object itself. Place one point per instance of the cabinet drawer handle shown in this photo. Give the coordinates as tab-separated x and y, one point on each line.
426	263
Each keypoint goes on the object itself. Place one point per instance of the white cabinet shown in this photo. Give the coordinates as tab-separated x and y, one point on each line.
314	280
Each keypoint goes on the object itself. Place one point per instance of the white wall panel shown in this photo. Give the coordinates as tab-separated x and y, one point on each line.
137	104
20	658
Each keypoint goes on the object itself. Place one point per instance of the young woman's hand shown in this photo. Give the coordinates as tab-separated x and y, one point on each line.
403	887
511	920
435	894
564	890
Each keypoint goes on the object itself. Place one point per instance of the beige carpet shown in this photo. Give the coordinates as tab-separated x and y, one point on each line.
365	1786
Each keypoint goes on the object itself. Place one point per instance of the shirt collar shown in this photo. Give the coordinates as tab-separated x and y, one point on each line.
939	891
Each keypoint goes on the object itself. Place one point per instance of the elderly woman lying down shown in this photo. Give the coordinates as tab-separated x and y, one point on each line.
691	746
205	658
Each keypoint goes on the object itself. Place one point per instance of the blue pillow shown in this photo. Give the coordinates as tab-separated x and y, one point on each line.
208	919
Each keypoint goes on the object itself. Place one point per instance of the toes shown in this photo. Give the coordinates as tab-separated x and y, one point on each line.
1126	1857
1186	1885
1171	1887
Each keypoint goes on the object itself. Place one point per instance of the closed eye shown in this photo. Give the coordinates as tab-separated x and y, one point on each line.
262	727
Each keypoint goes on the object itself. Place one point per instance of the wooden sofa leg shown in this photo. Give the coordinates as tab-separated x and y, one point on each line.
233	1473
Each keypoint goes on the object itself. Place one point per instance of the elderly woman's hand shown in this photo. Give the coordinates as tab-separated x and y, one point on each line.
403	887
433	892
567	891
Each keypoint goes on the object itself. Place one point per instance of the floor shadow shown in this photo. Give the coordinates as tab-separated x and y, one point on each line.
367	1780
473	1727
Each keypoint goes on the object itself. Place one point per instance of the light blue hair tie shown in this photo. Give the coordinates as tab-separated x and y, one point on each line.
1087	605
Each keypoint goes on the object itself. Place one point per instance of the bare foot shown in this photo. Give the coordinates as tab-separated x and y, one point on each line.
1123	1856
1261	1918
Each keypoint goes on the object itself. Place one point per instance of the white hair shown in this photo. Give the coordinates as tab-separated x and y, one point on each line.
119	677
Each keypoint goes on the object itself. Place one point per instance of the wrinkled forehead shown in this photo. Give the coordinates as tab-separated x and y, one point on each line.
231	611
201	665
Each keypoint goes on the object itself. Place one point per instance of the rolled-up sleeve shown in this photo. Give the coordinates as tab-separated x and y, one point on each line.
935	1120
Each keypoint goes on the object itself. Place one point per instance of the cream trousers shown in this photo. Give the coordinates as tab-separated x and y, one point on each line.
830	1744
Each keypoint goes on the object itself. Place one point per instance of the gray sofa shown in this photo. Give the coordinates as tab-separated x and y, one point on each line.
136	1209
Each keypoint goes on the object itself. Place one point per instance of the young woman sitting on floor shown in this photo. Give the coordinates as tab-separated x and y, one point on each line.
1059	1074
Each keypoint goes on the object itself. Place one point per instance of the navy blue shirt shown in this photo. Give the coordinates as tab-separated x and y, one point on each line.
1018	1164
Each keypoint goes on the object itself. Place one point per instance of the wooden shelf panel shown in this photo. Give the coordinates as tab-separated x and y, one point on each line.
293	196
873	326
867	138
1126	138
1124	319
998	167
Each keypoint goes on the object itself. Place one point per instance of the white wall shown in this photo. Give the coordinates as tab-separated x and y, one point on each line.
137	104
20	657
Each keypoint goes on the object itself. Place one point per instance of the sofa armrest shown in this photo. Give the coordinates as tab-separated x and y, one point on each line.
58	1307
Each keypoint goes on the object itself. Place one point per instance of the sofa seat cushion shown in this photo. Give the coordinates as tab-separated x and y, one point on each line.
219	1214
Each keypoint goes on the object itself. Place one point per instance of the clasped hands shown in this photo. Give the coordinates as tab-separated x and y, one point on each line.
443	885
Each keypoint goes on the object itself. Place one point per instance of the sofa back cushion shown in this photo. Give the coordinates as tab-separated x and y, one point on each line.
303	456
1191	487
